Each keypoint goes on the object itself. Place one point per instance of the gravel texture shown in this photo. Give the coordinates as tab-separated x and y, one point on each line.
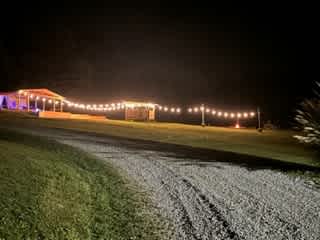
210	199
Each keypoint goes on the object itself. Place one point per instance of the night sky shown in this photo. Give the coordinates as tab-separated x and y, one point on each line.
235	57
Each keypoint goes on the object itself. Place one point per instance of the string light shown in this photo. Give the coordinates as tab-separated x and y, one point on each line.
123	105
221	113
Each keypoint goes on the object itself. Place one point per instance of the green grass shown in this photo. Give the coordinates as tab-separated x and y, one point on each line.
52	191
277	144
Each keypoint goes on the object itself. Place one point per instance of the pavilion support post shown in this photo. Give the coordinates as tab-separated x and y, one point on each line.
36	104
54	105
19	100
61	106
28	103
126	113
44	106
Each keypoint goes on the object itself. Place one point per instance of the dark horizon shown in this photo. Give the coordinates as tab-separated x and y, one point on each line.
235	57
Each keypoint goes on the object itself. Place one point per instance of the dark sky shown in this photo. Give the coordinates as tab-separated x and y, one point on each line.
230	57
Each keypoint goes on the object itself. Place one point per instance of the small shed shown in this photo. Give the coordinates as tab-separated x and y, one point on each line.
139	111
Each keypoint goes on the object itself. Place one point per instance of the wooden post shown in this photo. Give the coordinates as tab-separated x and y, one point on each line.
43	105
54	105
61	106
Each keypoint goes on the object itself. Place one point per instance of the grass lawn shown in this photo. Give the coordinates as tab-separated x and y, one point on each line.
52	191
277	144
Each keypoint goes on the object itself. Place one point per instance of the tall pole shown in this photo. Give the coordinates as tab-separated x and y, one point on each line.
61	106
259	119
202	113
36	103
44	105
54	105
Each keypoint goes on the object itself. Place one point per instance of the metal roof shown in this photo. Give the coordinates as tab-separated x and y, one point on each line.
41	92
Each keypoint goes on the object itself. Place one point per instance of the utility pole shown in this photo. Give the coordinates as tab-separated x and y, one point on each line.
259	119
203	123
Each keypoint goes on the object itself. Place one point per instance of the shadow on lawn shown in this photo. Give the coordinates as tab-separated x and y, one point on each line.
186	155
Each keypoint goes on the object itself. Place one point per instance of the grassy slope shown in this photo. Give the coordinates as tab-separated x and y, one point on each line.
51	191
270	144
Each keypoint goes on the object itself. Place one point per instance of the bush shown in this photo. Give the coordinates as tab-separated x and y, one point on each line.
308	120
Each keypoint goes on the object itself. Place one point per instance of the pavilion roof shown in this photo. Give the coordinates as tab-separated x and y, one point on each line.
42	92
138	104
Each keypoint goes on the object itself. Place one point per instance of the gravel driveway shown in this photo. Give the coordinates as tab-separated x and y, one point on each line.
210	199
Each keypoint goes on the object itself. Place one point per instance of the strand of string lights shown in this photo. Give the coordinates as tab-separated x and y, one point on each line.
222	114
168	109
124	104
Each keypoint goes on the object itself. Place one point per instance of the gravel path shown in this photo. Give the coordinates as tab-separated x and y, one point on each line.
211	199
